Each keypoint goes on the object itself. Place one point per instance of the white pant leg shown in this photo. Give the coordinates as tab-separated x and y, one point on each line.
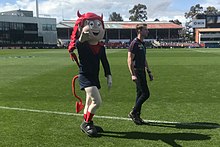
93	95
88	102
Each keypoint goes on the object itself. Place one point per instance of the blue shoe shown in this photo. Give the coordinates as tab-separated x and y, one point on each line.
88	128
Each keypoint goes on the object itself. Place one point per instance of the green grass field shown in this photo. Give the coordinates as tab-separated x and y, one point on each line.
37	107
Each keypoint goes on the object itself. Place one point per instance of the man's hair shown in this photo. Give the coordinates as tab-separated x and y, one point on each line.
139	27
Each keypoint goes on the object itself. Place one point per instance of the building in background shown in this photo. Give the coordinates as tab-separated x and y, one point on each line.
119	34
20	29
207	30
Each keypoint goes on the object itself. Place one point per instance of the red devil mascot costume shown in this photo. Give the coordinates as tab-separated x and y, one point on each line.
86	36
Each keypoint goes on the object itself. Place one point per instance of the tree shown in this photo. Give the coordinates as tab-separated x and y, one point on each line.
115	17
211	11
176	21
194	10
156	19
193	13
138	13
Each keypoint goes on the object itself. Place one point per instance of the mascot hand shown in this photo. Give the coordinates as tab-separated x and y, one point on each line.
85	36
74	58
109	81
133	78
72	55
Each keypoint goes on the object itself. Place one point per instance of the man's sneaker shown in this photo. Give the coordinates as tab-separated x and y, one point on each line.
89	128
137	120
140	119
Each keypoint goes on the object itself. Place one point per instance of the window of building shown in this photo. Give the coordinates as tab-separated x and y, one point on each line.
20	26
6	26
1	25
30	27
13	26
49	27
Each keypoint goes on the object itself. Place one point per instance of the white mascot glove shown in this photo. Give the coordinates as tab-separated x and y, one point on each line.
109	81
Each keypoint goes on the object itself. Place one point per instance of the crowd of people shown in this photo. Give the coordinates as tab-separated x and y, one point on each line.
155	44
179	45
114	45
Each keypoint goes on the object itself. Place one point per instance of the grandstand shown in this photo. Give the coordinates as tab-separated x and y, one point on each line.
119	34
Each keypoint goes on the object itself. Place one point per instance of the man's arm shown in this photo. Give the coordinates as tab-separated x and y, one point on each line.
105	63
148	71
131	65
106	67
147	66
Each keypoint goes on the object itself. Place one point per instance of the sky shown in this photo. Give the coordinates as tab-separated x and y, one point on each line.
164	10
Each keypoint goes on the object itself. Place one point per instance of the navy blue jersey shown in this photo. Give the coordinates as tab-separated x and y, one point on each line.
90	64
139	49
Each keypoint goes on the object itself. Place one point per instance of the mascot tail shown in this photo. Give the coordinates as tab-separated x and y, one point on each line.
79	105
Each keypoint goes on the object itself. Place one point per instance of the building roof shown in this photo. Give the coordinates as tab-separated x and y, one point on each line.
126	25
208	30
19	12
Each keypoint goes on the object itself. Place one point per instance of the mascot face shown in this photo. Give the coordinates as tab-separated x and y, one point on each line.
95	29
89	23
92	24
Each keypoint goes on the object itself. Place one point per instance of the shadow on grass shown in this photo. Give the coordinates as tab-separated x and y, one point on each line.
192	125
168	138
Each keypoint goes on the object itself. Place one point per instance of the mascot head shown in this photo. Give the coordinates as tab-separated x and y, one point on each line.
88	22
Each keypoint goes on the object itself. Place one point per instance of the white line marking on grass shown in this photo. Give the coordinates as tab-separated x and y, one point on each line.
109	117
40	111
205	50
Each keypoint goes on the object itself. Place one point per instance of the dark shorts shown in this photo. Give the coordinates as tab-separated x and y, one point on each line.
88	81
